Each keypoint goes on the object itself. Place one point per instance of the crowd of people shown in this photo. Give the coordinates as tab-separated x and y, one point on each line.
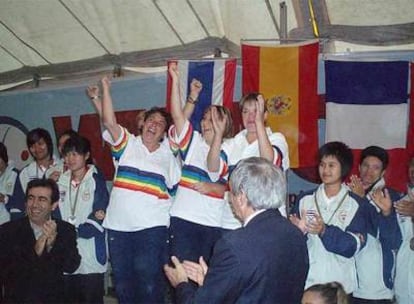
200	216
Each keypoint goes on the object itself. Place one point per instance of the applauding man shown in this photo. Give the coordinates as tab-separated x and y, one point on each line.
36	250
265	261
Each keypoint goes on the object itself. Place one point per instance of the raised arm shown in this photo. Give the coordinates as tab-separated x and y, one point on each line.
213	157
93	93
265	147
180	115
108	114
195	88
176	111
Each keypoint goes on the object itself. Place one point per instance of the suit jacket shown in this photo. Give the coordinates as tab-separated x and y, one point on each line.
264	262
31	278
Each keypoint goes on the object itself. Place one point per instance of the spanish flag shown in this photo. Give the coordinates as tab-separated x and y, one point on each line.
287	76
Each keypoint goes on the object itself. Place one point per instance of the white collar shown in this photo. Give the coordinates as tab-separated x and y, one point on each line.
251	216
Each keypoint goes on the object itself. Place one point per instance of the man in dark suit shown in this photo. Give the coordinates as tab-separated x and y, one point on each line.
265	261
36	250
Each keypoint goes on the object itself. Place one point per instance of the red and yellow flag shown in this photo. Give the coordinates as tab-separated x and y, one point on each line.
287	76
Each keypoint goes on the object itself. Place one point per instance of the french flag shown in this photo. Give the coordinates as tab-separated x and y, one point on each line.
218	79
368	104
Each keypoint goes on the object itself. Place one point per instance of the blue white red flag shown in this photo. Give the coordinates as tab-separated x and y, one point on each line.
367	104
218	79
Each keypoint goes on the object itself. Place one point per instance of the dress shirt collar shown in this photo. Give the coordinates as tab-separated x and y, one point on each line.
251	216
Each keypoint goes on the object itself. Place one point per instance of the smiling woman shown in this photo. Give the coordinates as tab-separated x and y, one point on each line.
39	142
156	123
11	194
137	215
196	213
83	203
336	231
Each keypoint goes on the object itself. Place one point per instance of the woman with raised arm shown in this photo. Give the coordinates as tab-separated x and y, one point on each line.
254	140
137	216
196	213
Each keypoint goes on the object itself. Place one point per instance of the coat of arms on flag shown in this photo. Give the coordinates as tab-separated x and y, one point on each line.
287	76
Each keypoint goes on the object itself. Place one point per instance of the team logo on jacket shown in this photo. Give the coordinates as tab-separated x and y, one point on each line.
9	187
342	216
62	195
86	196
311	215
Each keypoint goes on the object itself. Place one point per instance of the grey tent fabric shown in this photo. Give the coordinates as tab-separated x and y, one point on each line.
63	39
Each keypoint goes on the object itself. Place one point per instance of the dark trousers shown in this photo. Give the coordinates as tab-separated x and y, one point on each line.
137	260
189	241
84	288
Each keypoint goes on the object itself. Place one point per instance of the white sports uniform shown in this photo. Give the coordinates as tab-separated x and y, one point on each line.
78	205
331	256
140	197
238	148
404	274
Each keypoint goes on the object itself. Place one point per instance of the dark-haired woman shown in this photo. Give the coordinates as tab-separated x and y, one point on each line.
83	202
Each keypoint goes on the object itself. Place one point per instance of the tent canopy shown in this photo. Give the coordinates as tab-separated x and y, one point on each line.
66	39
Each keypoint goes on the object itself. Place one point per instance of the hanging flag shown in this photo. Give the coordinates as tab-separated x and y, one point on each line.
367	104
410	136
218	78
287	76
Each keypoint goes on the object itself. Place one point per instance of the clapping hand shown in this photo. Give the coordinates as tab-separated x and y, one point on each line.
196	271
176	274
47	238
405	207
356	186
260	110
219	124
316	225
381	198
298	222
